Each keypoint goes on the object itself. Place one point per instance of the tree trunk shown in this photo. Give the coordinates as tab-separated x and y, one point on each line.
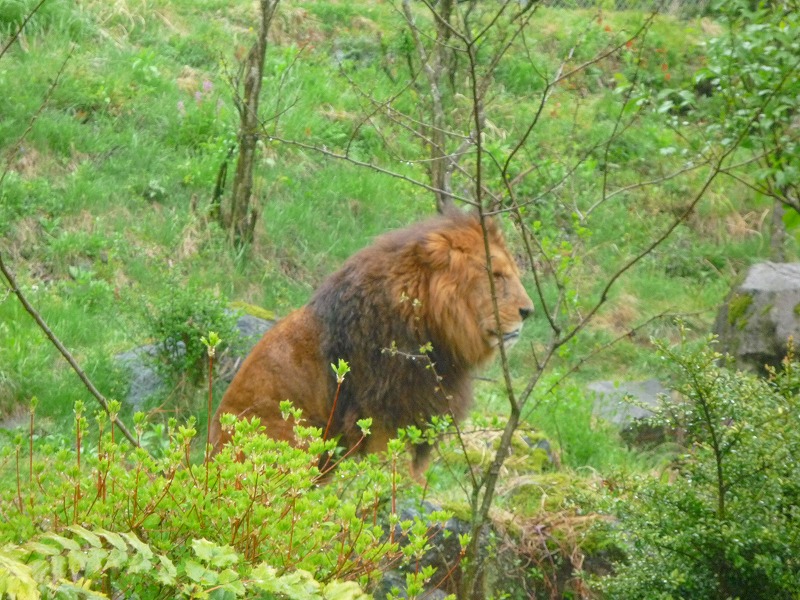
237	216
778	233
440	163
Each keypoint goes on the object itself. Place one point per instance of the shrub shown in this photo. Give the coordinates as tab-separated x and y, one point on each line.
723	521
106	518
178	323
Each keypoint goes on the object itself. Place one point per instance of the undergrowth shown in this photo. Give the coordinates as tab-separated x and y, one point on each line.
100	518
721	520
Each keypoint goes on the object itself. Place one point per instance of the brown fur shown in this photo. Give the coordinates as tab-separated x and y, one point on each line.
425	283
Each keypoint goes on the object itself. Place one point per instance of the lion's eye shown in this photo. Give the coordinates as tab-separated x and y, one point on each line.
498	275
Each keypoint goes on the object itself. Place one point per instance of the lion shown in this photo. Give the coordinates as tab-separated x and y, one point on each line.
423	287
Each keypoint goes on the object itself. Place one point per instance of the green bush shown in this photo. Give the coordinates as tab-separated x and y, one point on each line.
102	517
723	521
177	324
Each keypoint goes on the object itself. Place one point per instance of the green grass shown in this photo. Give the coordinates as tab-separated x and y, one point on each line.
98	209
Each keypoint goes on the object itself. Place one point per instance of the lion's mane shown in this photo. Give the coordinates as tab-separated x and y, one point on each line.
423	285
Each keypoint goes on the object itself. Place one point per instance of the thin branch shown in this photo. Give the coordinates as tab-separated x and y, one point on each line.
359	163
12	152
561	76
21	28
643	184
602	348
64	352
716	170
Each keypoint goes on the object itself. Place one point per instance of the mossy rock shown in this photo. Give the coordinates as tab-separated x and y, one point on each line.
253	310
760	315
737	310
531	451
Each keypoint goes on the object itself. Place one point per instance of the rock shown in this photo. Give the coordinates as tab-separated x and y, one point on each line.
146	382
759	316
252	328
509	546
631	415
444	554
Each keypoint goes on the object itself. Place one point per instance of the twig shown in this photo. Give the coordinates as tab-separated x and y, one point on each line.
15	147
64	352
360	163
21	28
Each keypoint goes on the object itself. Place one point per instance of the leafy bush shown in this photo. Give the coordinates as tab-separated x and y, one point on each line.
748	92
104	518
178	323
723	522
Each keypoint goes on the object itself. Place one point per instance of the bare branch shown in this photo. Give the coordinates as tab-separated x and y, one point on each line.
715	172
62	349
21	28
12	152
343	157
561	76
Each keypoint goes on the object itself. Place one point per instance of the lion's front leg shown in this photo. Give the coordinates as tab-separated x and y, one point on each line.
420	462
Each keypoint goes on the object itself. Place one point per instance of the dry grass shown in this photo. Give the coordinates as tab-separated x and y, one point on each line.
620	316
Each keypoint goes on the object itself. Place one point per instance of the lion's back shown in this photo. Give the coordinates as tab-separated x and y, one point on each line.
285	364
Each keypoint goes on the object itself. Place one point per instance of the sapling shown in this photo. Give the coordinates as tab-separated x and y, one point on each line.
211	344
32	411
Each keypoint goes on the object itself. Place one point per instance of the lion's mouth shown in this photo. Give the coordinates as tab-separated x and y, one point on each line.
510	337
506	338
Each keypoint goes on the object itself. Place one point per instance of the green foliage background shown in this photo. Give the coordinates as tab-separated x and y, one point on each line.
104	214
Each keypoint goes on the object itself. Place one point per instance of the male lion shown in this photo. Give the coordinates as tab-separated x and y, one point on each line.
426	284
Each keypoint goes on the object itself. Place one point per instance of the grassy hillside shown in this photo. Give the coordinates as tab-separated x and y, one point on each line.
116	122
117	117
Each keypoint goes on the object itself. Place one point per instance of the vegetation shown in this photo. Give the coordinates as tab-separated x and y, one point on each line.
633	168
102	519
721	522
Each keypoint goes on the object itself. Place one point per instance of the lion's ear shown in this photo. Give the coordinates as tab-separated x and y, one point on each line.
435	250
493	228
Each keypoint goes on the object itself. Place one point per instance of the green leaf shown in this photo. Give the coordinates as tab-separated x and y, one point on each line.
91	538
214	555
344	590
195	571
94	561
77	561
140	547
791	219
116	559
297	585
40	548
80	589
230	581
167	573
139	563
58	565
114	539
66	543
40	569
221	593
16	579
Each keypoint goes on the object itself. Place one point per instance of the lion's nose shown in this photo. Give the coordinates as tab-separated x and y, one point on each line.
525	313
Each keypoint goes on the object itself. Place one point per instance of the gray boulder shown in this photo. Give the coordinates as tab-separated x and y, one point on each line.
628	405
759	316
146	382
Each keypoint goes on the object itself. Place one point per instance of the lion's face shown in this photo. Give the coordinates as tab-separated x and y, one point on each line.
513	303
461	304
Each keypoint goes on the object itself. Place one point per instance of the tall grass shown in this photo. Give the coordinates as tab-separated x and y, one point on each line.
107	202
